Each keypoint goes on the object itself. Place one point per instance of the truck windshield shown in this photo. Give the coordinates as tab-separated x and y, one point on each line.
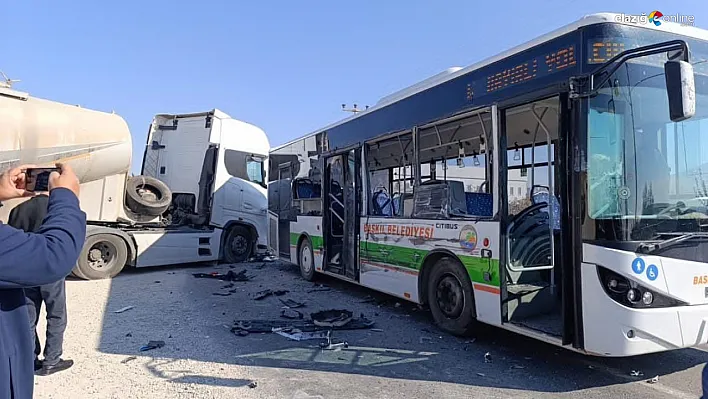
646	175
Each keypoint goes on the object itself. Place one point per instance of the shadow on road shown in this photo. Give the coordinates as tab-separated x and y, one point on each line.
172	305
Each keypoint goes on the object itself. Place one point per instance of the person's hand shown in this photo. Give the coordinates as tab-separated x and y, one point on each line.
12	183
65	179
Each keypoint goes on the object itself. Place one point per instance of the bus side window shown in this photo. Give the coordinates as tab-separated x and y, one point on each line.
390	173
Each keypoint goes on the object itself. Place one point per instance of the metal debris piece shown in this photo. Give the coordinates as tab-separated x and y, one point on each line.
517	367
487	357
654	380
636	373
222	293
377	330
128	359
262	294
252	384
481	374
291	304
121	310
303	336
267	326
331	317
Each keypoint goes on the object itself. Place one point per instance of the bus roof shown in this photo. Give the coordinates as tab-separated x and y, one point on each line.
451	73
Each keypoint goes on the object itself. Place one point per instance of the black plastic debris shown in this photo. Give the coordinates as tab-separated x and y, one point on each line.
128	359
331	318
229	276
291	304
280	292
291	314
253	384
152	345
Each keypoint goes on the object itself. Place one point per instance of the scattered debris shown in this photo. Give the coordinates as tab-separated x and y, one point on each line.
654	380
425	339
253	384
292	304
241	333
397	305
487	357
481	374
129	335
230	276
128	359
302	336
636	373
121	310
331	344
267	326
368	299
222	293
229	285
331	318
318	288
291	314
517	367
280	292
157	281
377	330
152	345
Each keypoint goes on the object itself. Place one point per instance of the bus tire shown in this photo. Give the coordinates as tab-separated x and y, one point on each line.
103	256
306	260
451	298
238	245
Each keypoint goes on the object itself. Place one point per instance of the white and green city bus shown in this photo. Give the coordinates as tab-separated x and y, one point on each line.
555	190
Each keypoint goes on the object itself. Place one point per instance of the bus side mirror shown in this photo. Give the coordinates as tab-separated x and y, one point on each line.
681	88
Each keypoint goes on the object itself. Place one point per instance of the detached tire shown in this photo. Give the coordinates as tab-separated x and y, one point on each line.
451	298
306	261
147	196
103	256
238	245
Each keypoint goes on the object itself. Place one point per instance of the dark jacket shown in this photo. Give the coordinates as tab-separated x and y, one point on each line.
29	260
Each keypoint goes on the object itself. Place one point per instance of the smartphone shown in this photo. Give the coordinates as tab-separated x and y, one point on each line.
37	179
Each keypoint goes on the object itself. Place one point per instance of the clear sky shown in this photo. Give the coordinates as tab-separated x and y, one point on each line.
284	66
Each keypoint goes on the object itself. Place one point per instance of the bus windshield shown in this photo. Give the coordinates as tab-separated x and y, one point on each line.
646	175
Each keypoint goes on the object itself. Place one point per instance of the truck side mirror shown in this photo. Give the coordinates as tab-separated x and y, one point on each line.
681	88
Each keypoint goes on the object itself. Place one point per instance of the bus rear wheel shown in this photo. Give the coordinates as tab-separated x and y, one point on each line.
306	261
451	298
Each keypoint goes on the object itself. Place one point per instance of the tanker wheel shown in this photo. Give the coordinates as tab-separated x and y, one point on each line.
103	256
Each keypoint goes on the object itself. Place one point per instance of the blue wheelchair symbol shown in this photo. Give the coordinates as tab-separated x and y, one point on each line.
638	265
652	272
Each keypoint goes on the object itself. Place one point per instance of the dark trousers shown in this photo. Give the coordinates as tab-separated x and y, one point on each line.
54	296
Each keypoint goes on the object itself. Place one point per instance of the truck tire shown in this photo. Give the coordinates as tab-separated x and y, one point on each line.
103	256
147	196
238	245
451	298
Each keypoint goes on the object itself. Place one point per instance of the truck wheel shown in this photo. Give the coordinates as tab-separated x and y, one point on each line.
103	256
306	260
451	298
147	196
238	245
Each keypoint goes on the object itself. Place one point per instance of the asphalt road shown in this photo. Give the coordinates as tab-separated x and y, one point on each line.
406	357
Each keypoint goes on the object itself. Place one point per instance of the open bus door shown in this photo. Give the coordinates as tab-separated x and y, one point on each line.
341	202
538	266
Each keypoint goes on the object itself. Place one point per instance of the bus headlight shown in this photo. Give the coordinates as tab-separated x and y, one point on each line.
632	294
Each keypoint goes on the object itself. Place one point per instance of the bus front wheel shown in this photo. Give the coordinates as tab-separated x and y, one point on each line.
451	298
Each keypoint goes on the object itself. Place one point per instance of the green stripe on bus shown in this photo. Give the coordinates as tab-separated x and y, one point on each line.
317	241
412	258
